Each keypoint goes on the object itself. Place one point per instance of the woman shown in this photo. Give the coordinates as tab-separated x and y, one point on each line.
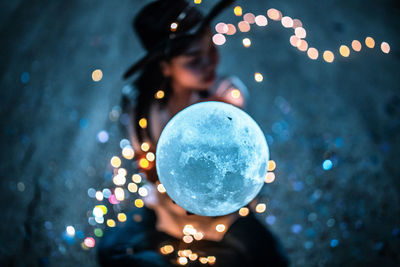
179	70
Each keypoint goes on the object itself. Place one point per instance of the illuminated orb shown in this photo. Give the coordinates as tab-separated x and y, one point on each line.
212	158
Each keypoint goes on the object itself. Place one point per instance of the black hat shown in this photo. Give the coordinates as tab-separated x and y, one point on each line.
163	23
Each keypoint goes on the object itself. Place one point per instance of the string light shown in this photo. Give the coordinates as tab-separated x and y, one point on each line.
244	211
143	123
203	260
188	229
145	147
144	163
258	77
115	162
220	228
328	56
174	26
302	45
344	51
119	179
385	47
274	14
287	22
294	41
121	217
221	28
122	171
300	32
187	239
111	223
150	156
89	242
370	42
139	203
297	23
119	193
161	188
99	196
97	75
312	53
219	39
231	29
182	260
249	17
70	230
143	192
132	187
271	165
167	249
237	11
235	93
159	94
198	236
261	20
246	42
193	256
261	207
356	45
211	259
244	26
136	178
269	178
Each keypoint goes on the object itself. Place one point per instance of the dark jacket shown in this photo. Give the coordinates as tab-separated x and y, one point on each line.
246	243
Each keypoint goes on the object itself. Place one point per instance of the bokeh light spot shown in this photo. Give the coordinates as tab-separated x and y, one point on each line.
356	45
287	22
370	42
159	94
249	17
344	50
238	11
274	14
139	203
328	56
231	29
219	39
97	75
385	47
244	211
261	20
261	207
244	26
220	227
258	77
312	53
246	42
327	164
143	123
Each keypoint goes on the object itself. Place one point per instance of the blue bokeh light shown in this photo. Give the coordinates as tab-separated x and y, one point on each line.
327	164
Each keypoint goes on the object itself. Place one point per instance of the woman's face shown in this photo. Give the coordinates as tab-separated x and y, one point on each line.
195	69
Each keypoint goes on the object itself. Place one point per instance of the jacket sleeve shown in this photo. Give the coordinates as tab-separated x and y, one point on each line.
133	243
259	246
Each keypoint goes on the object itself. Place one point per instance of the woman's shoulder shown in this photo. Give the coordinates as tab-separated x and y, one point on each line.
231	89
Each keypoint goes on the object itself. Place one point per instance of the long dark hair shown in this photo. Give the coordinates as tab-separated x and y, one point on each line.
153	26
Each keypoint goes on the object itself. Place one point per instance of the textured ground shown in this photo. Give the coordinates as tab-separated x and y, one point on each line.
347	111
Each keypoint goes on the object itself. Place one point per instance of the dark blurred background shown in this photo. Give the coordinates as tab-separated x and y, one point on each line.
346	112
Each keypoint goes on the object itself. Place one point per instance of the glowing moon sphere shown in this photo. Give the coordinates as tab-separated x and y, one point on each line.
212	158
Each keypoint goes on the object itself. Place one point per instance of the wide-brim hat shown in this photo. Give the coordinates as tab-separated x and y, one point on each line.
158	40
